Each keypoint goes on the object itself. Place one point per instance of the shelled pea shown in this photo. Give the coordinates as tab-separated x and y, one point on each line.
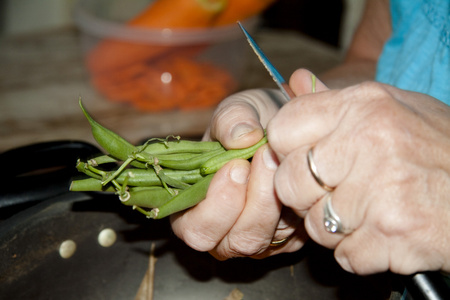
157	178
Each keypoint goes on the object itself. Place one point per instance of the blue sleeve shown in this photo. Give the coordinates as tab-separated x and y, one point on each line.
417	55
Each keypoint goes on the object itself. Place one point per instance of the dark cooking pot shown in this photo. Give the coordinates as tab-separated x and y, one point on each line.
40	214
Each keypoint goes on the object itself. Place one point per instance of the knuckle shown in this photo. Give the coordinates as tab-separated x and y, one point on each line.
397	214
372	87
236	125
363	260
380	118
245	245
284	188
363	267
238	106
286	180
197	240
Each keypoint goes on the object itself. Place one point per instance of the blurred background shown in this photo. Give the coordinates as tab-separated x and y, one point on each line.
333	25
44	73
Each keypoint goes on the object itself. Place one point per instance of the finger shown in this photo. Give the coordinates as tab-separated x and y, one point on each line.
347	150
287	225
345	207
297	189
307	119
301	83
294	183
294	242
239	120
256	225
398	228
263	219
259	222
362	250
369	251
205	225
371	256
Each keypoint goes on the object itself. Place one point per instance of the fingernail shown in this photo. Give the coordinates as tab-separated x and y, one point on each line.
345	264
240	130
269	159
239	174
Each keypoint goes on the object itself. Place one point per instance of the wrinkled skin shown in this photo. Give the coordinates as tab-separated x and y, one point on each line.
386	150
241	214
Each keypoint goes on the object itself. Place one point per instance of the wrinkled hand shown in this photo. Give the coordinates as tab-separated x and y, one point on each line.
387	151
241	214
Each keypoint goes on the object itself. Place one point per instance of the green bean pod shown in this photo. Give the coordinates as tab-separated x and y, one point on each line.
148	197
148	177
179	146
180	177
184	200
113	143
89	185
190	164
180	157
214	164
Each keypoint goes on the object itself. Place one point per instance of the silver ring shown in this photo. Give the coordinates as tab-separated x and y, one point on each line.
315	173
331	220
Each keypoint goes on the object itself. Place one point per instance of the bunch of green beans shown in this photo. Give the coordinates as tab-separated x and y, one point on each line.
158	178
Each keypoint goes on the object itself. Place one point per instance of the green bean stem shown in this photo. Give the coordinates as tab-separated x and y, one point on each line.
83	168
102	159
169	180
118	171
313	83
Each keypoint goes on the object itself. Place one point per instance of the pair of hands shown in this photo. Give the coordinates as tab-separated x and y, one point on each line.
386	150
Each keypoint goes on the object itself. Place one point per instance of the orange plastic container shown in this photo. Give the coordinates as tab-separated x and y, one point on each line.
159	69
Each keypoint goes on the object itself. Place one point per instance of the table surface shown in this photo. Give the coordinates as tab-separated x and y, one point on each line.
43	76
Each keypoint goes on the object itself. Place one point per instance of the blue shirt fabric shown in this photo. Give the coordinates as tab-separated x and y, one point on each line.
417	55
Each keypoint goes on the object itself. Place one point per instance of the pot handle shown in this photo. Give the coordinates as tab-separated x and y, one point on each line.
37	172
426	286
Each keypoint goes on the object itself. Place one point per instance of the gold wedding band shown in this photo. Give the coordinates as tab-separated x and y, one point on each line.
279	242
315	173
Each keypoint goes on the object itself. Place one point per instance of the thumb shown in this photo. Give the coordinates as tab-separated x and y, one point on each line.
238	121
301	83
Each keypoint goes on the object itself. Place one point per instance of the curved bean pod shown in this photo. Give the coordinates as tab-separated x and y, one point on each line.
184	200
113	143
